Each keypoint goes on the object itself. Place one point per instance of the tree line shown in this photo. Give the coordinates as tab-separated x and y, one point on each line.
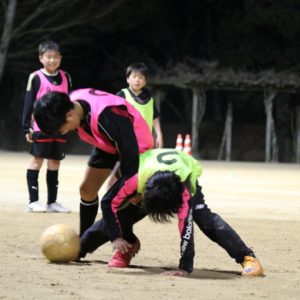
100	38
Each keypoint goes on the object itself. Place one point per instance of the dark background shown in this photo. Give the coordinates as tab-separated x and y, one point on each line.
100	38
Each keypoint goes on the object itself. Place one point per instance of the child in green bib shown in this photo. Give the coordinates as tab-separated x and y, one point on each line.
166	185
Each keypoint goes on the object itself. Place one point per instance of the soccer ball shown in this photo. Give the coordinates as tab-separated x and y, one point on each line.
60	243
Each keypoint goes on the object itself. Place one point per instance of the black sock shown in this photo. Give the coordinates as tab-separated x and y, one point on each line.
52	185
88	213
33	185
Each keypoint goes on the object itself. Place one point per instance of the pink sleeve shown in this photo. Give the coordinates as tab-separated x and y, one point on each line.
184	210
110	205
129	187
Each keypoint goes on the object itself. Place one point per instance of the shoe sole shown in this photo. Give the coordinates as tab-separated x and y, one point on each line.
117	266
253	273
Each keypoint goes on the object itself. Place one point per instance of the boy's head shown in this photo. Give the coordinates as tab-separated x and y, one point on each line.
48	45
137	75
50	112
50	56
162	197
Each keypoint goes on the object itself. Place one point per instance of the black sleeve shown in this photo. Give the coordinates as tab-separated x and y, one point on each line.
156	113
187	247
118	126
70	85
121	94
33	86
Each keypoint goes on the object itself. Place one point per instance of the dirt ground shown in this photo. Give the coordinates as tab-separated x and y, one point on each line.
261	201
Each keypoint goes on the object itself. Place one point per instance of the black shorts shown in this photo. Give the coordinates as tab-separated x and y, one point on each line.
102	160
48	146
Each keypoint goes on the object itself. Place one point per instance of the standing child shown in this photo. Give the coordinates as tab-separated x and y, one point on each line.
136	94
113	126
51	147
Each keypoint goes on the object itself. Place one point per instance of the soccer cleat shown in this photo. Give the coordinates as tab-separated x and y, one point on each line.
122	260
57	207
252	267
36	207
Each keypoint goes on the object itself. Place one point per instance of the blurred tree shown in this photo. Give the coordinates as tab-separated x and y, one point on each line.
100	38
7	20
26	24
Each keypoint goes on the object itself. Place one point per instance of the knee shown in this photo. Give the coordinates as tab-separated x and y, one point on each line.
35	163
86	193
205	219
53	164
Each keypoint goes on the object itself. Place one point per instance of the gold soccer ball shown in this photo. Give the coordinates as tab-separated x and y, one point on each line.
60	243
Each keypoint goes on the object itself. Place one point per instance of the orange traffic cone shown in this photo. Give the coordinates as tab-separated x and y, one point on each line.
187	144
179	142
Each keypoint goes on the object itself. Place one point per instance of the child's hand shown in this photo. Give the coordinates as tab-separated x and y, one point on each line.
28	137
177	272
122	245
159	141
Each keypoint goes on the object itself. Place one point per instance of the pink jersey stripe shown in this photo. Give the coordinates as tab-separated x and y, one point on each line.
44	140
184	210
129	187
60	140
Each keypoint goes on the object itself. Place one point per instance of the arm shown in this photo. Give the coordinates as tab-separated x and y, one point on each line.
32	88
70	85
112	200
159	143
121	94
116	123
185	225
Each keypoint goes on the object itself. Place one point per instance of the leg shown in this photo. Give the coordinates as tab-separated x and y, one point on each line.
89	188
93	237
215	228
57	153
52	180
92	182
99	167
35	163
32	176
41	148
52	186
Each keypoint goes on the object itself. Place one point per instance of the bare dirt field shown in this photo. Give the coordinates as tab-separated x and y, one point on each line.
261	201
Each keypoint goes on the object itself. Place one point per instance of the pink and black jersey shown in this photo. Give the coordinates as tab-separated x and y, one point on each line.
46	86
98	102
39	84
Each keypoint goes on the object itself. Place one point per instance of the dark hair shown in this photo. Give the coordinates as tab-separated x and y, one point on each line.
162	197
50	111
48	45
138	67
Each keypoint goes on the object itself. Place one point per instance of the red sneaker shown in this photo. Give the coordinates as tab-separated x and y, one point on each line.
122	260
